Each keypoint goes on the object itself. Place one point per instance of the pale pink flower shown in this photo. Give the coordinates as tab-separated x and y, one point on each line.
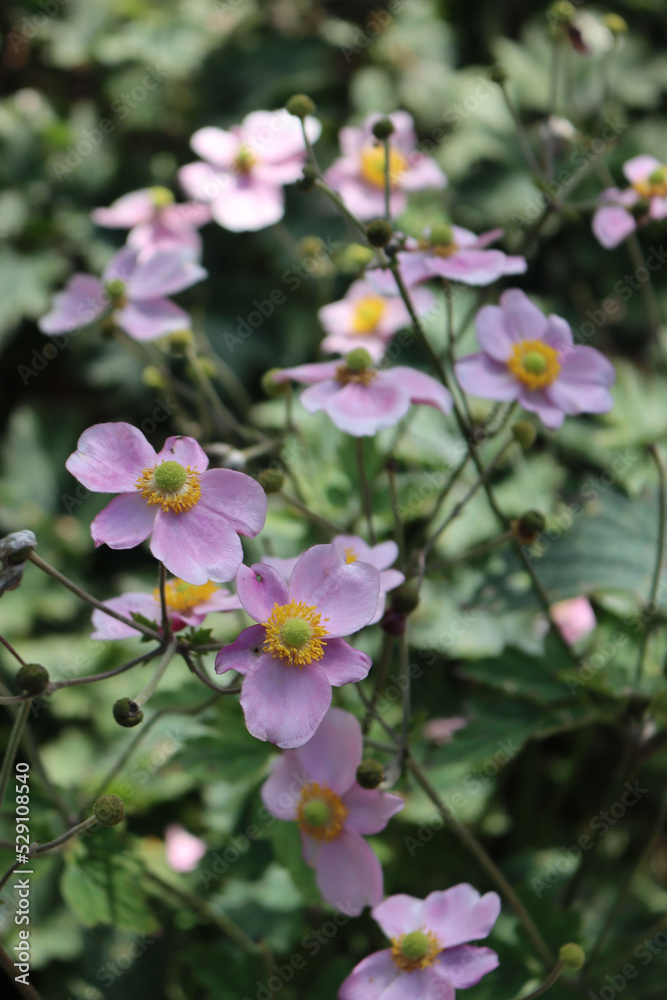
361	399
647	196
429	956
296	653
316	786
367	319
574	617
194	513
441	731
529	357
183	851
359	174
155	221
186	606
132	290
243	170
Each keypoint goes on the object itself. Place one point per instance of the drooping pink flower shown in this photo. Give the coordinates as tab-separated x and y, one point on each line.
296	653
359	174
646	196
575	618
529	357
133	289
316	786
453	253
361	399
155	221
183	850
367	319
246	167
195	514
381	556
429	955
186	605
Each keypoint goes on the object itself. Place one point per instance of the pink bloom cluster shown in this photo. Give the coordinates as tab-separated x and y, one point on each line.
622	212
155	221
316	786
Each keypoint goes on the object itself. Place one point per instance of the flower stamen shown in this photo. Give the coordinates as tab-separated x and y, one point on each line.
534	363
294	634
320	813
373	166
416	950
182	596
175	487
367	314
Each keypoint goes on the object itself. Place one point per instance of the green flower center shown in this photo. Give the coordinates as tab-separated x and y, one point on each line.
296	632
358	359
115	289
415	946
659	176
441	234
170	476
161	196
535	363
316	812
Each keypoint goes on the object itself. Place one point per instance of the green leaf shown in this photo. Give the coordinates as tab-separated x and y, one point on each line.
105	888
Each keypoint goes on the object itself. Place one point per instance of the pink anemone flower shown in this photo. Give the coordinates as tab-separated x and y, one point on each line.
183	850
359	174
186	606
296	653
647	195
429	955
134	289
529	357
381	556
155	221
194	513
574	617
361	399
246	167
366	319
316	786
452	253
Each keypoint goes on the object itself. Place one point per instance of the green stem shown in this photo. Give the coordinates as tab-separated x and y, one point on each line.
366	497
11	650
547	984
166	620
12	746
152	685
387	181
86	824
657	569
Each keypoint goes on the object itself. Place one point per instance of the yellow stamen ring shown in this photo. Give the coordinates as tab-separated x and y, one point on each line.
321	813
367	314
373	166
182	596
364	376
534	363
175	487
416	950
294	634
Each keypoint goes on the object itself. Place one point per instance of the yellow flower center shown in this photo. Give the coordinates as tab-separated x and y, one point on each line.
350	556
161	196
416	950
244	161
367	313
175	487
182	596
294	634
320	813
534	363
373	166
653	186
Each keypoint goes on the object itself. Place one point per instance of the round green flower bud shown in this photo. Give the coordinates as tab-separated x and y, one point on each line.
353	258
562	10
271	480
358	359
441	235
379	233
524	433
109	810
127	713
616	24
572	956
405	598
300	105
497	74
180	340
370	773
307	180
271	387
32	677
206	365
528	526
383	128
154	378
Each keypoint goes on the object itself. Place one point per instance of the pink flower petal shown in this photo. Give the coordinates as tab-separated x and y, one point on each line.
203	182
125	212
494	335
125	522
523	320
558	333
260	587
477	267
583	382
183	851
331	757
276	135
348	873
640	167
363	410
611	224
309	373
399	915
243	653
464	965
107	627
460	914
184	450
422	388
370	809
122	265
420	983
196	545
149	319
81	302
281	792
282	566
283	704
215	145
316	397
110	457
343	663
371	977
539	401
574	617
164	273
248	208
345	594
236	497
423	173
482	376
